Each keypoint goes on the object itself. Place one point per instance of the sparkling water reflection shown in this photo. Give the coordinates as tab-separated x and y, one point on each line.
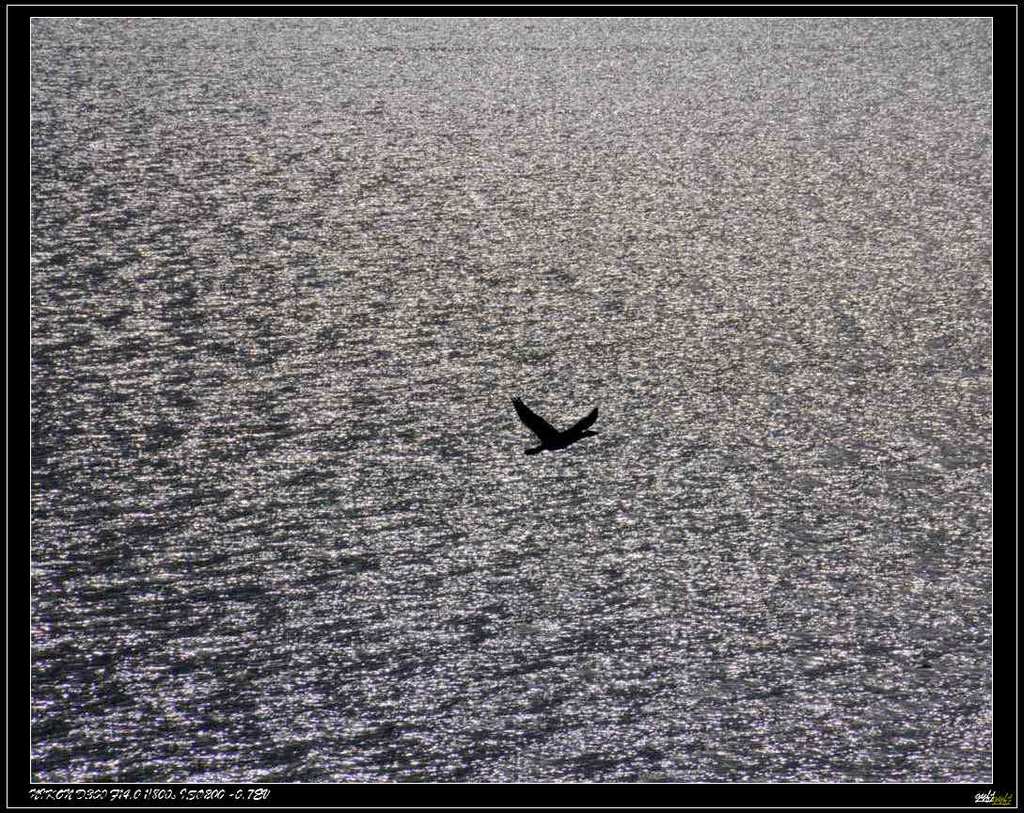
286	276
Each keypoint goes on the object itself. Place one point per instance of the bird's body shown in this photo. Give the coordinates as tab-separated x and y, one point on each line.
550	438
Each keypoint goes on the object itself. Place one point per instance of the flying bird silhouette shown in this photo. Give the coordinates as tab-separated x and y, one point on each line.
550	438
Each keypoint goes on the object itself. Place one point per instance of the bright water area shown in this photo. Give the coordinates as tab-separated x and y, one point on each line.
287	275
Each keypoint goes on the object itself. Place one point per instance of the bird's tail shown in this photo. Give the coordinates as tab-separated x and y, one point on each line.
537	450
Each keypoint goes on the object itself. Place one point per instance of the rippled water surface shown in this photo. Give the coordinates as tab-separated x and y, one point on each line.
286	276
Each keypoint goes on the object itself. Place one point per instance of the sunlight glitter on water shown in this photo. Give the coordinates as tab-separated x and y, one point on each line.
283	526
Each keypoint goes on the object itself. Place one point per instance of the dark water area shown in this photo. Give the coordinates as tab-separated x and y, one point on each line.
287	275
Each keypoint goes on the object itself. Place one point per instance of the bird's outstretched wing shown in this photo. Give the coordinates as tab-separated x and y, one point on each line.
583	423
540	427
